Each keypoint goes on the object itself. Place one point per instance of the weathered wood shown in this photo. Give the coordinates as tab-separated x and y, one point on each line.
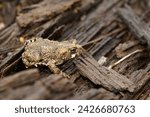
83	85
87	21
142	94
131	62
100	75
19	79
10	60
45	10
93	24
148	98
9	11
87	28
47	28
106	45
59	87
38	92
8	38
52	87
50	29
141	79
139	28
10	68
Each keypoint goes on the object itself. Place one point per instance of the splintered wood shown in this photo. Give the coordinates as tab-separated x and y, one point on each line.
115	39
103	76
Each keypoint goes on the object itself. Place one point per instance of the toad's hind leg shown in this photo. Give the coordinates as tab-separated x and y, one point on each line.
53	68
56	70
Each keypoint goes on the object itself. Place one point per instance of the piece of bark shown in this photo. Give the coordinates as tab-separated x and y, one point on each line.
19	79
46	10
139	28
100	75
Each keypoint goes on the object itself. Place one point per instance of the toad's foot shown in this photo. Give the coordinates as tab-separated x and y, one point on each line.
56	70
64	75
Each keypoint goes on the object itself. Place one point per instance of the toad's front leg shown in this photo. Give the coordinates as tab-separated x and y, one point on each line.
56	70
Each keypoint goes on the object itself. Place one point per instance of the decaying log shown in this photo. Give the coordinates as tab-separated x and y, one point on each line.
100	75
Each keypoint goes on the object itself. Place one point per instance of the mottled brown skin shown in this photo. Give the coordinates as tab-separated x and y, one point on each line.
40	51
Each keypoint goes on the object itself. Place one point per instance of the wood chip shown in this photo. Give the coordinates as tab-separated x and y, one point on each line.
100	75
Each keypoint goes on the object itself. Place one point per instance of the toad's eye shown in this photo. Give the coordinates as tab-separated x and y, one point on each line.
72	50
30	41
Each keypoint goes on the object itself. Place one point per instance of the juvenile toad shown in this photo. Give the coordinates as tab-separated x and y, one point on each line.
49	53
